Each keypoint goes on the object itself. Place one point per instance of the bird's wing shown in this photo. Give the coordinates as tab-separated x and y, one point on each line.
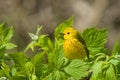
84	43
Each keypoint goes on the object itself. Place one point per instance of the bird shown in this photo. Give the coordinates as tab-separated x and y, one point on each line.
74	45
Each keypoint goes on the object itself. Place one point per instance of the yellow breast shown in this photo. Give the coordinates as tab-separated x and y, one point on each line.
73	49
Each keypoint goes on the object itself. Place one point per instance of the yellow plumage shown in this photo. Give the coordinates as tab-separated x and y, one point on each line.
74	45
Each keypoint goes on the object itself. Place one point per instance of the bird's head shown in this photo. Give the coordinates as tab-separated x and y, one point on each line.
70	33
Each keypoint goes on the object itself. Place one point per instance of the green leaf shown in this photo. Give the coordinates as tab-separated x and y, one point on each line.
5	36
31	46
116	63
100	57
59	75
27	72
30	69
38	62
8	33
110	73
19	59
56	58
38	29
116	48
42	41
45	43
38	58
6	70
77	69
33	36
10	45
56	75
19	74
97	71
13	71
48	77
20	77
2	73
44	71
2	53
2	27
104	71
60	28
95	39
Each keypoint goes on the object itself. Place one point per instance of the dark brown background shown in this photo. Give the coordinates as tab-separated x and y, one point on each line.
25	15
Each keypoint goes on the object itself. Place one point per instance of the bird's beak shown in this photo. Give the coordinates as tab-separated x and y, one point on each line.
62	33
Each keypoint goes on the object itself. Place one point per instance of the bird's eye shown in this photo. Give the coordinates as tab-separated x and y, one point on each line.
68	32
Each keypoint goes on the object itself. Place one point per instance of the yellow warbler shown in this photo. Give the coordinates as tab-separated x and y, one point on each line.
74	45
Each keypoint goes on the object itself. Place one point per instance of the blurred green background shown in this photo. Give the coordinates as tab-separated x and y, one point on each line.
25	15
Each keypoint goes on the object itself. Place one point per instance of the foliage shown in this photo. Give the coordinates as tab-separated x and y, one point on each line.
49	62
